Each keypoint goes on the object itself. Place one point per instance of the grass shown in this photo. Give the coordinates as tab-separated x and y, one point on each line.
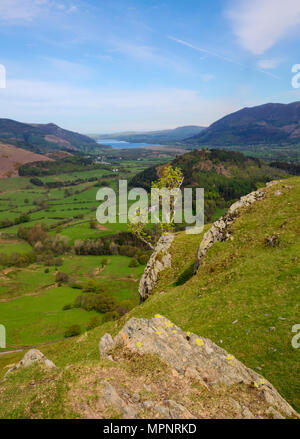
31	304
245	298
16	246
36	319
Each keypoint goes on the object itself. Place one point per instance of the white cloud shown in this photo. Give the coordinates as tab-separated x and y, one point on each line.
102	109
269	63
259	24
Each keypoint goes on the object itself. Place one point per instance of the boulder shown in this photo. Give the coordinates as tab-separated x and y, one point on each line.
196	358
32	357
159	260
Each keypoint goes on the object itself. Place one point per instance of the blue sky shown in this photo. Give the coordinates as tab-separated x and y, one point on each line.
104	66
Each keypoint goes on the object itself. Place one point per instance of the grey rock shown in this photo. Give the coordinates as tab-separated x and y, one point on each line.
159	261
112	398
274	413
195	357
31	357
246	413
105	346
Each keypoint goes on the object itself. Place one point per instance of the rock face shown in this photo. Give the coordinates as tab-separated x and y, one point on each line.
31	357
159	260
220	231
195	358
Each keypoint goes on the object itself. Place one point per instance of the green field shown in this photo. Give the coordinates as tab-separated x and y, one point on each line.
31	302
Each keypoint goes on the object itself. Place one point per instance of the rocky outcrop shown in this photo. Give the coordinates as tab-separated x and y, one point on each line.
192	358
220	231
159	260
31	357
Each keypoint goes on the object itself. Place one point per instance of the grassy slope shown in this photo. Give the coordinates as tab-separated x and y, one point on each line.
241	280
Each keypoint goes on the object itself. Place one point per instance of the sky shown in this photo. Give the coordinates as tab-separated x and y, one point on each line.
95	66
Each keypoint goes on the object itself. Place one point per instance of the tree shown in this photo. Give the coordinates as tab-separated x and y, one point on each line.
170	179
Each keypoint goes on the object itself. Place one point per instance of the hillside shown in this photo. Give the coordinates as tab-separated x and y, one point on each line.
224	175
244	298
43	138
164	136
269	124
12	158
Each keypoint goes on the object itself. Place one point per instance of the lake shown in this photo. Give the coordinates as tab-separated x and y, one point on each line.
121	144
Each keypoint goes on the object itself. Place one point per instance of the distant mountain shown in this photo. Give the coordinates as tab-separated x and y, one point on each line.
272	124
43	138
164	136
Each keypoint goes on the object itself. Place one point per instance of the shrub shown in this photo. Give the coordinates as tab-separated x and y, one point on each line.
143	259
93	323
61	277
109	316
67	307
72	331
133	263
47	270
104	262
93	224
76	286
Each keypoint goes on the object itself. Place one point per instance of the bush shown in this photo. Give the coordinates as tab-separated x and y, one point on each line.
61	277
93	323
104	262
109	316
76	286
67	307
93	224
102	303
72	331
46	270
92	286
143	259
133	263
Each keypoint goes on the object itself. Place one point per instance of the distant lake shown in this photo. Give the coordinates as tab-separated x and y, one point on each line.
121	144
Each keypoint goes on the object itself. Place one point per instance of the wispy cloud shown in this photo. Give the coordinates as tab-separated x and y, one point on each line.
22	11
150	54
270	63
100	109
259	24
265	72
202	50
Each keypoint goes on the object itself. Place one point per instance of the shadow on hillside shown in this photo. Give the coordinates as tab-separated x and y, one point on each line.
185	275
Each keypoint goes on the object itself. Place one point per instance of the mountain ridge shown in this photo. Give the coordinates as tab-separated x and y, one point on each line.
159	136
271	123
43	138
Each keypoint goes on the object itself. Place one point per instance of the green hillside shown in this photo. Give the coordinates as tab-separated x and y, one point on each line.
224	175
245	298
43	138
